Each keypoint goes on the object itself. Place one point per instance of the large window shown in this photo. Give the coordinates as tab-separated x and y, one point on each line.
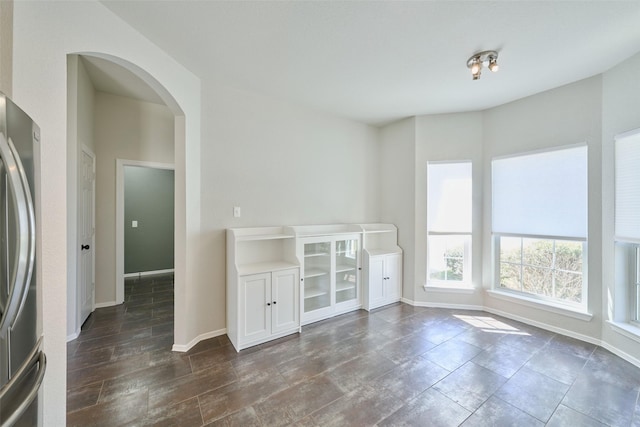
627	221
449	224
539	221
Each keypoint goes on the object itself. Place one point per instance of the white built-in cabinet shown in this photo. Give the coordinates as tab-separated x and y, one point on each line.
279	278
382	266
263	285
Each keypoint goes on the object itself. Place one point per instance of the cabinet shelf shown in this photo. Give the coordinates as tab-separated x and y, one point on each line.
345	286
314	272
344	267
314	292
315	254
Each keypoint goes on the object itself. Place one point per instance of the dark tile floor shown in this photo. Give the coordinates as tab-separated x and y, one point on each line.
399	365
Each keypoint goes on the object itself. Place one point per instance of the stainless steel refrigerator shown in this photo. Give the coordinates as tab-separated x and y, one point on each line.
22	361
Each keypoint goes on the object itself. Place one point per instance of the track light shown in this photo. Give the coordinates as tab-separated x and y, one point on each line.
477	60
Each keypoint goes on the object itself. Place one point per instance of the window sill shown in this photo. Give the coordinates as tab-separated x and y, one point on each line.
549	306
459	289
629	330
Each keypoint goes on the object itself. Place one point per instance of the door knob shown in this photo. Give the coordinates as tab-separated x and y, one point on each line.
85	247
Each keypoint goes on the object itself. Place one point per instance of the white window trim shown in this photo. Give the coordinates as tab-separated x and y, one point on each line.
628	329
530	300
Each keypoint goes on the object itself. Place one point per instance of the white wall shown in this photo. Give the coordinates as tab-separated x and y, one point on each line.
448	137
283	165
620	106
397	188
44	34
126	129
567	115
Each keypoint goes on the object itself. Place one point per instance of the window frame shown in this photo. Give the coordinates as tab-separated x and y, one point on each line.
466	282
497	283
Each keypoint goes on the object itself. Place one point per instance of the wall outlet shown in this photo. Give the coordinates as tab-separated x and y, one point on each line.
236	211
134	224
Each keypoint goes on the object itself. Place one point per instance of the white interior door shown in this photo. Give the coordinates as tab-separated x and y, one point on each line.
87	230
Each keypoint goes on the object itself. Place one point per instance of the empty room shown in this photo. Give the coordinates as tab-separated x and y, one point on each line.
327	212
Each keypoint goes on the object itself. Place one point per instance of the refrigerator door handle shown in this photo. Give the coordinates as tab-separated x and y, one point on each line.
36	356
25	253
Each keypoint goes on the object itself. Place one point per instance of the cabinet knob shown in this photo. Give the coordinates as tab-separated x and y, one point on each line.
302	280
268	303
274	303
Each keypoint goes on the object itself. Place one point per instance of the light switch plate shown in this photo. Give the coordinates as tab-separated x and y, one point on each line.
134	224
236	211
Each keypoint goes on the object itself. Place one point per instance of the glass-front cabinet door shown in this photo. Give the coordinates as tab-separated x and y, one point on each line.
317	276
346	272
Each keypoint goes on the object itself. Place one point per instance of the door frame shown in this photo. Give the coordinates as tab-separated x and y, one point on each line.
120	165
86	150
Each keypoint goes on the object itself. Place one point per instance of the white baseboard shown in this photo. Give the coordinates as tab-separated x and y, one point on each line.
105	304
73	336
443	305
545	326
149	273
186	347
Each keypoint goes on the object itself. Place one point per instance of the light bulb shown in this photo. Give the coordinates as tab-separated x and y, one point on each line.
476	76
493	64
475	67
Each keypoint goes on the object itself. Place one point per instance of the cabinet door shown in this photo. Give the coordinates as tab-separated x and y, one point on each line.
377	281
393	275
285	300
317	275
346	273
255	314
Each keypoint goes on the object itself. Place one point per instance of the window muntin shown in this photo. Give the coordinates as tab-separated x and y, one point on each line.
549	268
449	218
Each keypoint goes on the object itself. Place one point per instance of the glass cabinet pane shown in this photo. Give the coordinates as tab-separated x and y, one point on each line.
346	270
317	276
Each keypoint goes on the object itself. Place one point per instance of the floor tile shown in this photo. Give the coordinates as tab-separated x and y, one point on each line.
191	385
605	366
246	418
572	346
470	385
496	412
607	403
452	354
298	401
357	371
365	406
567	417
110	414
431	408
252	388
410	379
503	360
532	392
82	397
557	364
185	413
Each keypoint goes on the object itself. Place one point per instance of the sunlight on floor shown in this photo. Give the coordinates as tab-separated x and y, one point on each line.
489	324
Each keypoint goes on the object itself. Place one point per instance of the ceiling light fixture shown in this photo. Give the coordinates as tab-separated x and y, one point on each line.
477	60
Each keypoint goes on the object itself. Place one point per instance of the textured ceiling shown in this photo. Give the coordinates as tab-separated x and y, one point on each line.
377	61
